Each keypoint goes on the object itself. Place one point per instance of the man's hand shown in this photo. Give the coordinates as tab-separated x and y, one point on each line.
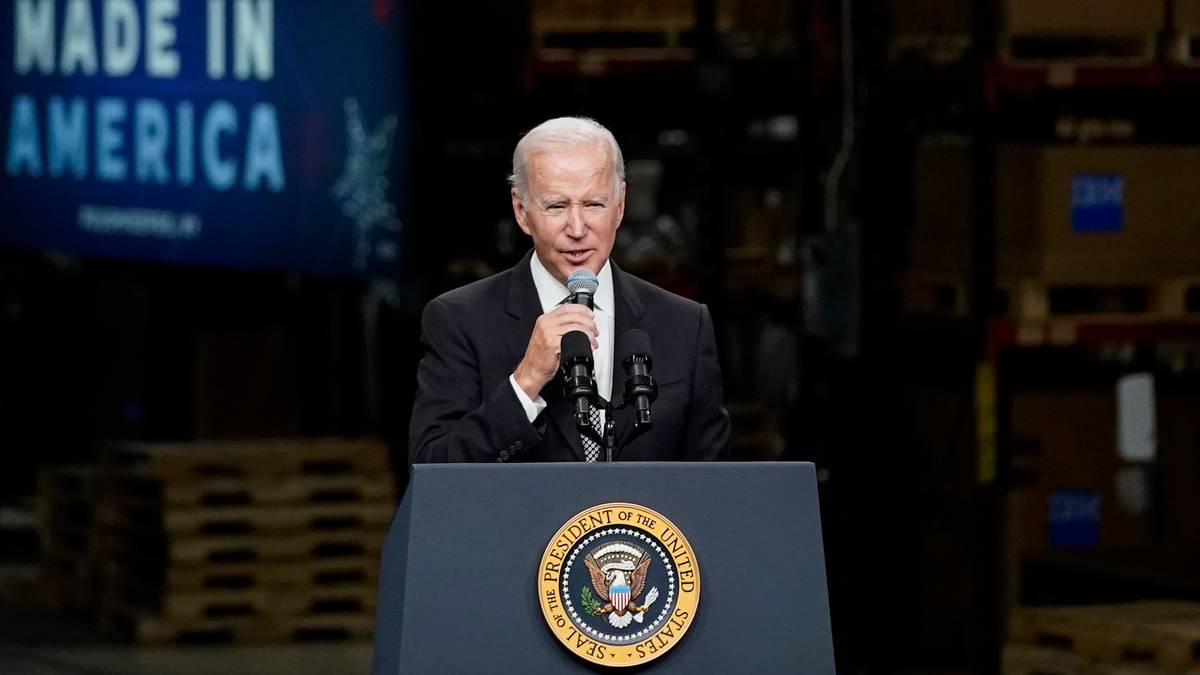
540	362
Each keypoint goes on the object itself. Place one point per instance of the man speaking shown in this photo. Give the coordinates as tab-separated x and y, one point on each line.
489	384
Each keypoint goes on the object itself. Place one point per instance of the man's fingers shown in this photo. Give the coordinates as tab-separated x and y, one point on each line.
566	310
555	331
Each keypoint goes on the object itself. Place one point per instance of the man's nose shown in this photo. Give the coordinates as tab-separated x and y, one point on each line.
576	222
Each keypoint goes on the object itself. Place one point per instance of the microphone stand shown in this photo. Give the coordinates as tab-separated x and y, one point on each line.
608	438
610	433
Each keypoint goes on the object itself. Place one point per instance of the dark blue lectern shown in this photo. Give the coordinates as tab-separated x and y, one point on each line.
458	582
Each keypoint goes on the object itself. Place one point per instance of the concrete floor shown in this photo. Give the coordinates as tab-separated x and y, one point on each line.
350	658
40	642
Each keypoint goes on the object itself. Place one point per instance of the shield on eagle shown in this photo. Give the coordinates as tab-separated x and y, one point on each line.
619	596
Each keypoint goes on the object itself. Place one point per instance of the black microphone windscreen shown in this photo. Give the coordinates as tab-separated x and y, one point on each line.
575	345
634	341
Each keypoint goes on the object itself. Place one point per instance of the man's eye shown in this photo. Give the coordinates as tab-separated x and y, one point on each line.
555	207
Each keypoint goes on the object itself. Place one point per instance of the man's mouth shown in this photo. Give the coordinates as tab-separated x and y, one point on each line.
577	256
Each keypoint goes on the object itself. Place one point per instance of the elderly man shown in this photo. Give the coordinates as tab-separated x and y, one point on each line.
487	385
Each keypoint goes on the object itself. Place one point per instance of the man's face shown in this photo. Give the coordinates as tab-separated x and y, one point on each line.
572	208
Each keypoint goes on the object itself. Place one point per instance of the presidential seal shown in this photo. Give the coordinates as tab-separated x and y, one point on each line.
619	585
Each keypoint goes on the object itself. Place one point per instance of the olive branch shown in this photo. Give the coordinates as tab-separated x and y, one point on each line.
589	601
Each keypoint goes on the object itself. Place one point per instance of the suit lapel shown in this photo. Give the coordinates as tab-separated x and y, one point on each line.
630	312
524	307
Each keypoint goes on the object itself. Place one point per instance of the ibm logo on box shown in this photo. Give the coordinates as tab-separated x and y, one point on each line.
1074	518
1097	202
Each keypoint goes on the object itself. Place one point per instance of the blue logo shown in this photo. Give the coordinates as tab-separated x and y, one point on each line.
1097	202
1074	518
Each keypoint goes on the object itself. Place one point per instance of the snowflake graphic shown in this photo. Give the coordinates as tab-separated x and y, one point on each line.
362	188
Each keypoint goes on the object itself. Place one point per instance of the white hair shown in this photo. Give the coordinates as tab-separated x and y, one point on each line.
565	132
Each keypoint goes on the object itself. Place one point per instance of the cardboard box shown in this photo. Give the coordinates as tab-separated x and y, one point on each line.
1048	17
943	208
930	16
1067	442
612	14
1098	215
942	186
1185	17
1179	468
1065	214
1066	449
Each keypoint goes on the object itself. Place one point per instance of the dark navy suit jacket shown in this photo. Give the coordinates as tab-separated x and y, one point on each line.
474	336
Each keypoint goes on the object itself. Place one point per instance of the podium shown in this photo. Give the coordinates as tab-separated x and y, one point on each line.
463	560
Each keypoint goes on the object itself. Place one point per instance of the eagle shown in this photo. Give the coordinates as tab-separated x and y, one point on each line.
618	573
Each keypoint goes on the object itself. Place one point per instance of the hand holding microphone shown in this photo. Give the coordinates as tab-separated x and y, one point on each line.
541	361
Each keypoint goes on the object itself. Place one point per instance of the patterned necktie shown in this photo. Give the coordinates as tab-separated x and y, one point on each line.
591	449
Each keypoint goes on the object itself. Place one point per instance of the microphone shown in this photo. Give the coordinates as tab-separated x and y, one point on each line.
578	385
575	351
581	287
640	387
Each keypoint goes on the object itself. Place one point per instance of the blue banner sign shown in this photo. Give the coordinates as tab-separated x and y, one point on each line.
243	133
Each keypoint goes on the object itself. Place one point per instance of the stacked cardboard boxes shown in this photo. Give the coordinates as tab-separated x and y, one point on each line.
1066	216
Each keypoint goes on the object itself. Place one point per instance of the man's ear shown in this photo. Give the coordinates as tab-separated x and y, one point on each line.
621	205
519	211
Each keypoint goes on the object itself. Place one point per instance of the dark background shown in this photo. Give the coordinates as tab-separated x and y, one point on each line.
730	151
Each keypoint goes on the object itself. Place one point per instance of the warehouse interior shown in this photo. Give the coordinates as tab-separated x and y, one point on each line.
951	251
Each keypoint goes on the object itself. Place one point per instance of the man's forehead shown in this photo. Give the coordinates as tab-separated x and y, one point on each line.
551	194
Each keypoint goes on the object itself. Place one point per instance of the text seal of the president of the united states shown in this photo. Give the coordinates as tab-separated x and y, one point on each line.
619	584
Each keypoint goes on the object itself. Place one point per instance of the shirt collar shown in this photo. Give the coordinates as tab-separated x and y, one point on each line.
551	291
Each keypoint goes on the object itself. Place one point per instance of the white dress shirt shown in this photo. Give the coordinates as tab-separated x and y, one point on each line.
551	292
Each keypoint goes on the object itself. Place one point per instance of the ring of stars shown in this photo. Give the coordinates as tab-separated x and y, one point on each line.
643	538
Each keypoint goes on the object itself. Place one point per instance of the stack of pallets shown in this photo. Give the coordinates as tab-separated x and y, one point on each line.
1148	638
69	561
254	541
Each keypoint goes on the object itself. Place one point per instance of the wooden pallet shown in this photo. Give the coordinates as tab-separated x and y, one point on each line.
77	482
935	48
935	295
149	629
1163	634
65	497
1037	302
256	459
316	573
152	551
616	34
1107	49
257	601
1056	313
250	520
1033	660
69	582
650	24
318	545
143	489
